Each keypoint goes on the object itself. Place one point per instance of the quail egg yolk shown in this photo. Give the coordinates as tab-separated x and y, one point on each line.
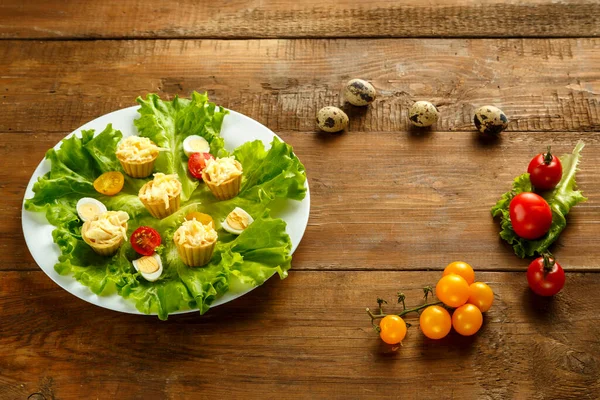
237	220
147	264
89	210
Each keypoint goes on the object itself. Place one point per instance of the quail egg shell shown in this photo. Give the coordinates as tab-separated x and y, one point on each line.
195	144
359	92
423	114
87	208
150	267
490	120
237	221
332	119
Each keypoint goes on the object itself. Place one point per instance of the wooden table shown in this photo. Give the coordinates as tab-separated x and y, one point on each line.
391	206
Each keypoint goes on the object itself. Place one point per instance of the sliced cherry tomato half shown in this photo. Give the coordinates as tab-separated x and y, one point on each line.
145	240
109	183
530	215
204	219
197	163
545	171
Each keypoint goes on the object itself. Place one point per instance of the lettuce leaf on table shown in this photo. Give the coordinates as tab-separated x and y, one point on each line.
252	257
561	200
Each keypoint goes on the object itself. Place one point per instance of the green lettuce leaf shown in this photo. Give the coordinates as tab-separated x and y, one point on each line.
561	200
168	123
248	259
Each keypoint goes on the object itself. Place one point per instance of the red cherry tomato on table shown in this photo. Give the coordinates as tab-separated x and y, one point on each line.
197	163
392	329
144	240
545	276
530	215
545	171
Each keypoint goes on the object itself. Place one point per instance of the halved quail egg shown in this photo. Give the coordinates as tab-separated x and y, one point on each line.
150	267
490	120
195	144
87	208
237	221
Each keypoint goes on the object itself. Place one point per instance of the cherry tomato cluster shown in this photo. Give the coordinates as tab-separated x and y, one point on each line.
461	304
531	218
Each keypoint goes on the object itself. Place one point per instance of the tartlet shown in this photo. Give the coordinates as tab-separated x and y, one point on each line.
223	176
195	242
106	232
161	196
137	155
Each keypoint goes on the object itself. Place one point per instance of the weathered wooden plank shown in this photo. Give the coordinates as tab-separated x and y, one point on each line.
306	336
309	18
542	85
392	201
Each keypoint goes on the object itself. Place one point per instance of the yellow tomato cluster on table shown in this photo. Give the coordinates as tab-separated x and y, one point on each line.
461	305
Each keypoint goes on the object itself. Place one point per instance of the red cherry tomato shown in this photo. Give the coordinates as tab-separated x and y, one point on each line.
530	215
197	163
545	171
545	276
144	240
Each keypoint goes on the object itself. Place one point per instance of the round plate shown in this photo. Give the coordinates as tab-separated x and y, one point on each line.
237	129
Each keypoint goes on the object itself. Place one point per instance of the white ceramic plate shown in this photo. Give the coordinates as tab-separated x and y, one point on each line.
237	129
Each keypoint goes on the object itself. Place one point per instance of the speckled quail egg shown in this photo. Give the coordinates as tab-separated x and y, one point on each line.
359	92
332	119
237	221
490	120
195	144
423	113
87	208
150	267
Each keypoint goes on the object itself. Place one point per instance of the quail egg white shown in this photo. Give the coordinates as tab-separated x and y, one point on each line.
332	119
359	92
237	221
490	120
150	267
423	113
195	144
87	208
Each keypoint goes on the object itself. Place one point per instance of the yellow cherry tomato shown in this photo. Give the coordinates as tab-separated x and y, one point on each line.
109	183
392	329
481	295
435	322
462	269
452	290
467	320
204	219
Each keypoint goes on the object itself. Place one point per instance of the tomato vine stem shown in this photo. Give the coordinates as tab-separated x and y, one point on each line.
401	314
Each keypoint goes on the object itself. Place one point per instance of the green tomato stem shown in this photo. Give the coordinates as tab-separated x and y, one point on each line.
403	313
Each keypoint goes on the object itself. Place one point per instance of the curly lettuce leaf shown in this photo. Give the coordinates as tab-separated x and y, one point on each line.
168	123
561	200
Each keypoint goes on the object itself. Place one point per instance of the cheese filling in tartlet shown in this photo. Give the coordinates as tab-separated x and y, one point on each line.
160	189
106	229
136	149
221	170
195	234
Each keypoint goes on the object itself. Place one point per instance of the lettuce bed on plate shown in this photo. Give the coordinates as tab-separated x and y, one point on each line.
252	257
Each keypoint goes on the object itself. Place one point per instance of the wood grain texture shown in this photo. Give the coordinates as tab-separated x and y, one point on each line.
542	85
307	18
305	337
384	201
